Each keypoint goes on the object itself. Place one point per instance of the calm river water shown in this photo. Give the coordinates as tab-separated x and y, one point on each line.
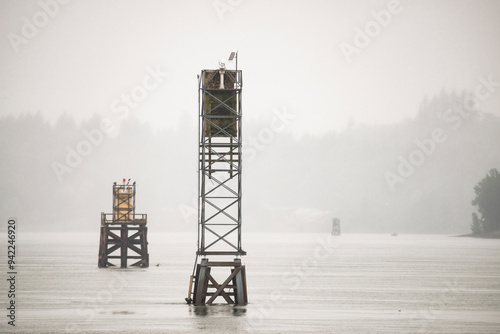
297	283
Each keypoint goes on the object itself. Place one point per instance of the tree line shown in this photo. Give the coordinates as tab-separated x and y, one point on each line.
416	176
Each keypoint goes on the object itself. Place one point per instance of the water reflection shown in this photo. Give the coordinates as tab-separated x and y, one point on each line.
218	310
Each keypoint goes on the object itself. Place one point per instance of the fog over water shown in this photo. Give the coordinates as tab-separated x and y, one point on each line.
383	114
411	177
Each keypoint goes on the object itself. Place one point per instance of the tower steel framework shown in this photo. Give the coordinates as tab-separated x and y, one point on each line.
219	187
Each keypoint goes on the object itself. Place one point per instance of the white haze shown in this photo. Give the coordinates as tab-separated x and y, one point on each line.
324	136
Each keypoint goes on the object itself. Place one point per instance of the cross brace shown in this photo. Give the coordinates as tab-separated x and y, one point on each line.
111	242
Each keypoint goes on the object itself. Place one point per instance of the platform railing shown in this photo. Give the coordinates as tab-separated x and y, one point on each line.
137	219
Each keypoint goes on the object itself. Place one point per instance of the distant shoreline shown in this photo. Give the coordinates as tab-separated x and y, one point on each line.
491	235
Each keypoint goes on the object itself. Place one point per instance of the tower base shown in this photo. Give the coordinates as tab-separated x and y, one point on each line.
121	238
235	293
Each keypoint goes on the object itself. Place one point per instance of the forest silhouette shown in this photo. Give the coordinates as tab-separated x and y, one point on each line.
415	176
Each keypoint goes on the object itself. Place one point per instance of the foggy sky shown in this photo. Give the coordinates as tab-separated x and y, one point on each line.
87	54
337	95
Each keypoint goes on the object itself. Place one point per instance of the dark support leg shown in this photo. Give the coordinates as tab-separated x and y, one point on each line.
124	237
244	278
201	283
239	290
103	245
145	248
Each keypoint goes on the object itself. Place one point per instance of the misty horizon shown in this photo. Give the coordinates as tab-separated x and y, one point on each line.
375	178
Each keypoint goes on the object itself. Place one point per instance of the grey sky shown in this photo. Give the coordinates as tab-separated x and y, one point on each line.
91	52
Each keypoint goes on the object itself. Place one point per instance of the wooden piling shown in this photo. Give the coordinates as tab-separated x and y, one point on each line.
205	281
128	241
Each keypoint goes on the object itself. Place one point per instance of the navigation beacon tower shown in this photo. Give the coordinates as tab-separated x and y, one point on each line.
123	231
219	188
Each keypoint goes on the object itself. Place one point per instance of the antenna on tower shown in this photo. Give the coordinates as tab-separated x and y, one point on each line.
234	55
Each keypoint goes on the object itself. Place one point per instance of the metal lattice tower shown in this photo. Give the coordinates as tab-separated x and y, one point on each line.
220	163
219	182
